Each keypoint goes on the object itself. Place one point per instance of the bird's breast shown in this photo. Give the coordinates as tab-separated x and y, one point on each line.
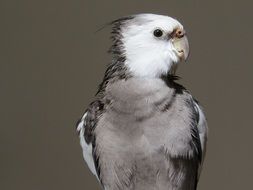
145	125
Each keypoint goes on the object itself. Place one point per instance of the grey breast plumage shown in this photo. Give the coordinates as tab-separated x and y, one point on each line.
144	134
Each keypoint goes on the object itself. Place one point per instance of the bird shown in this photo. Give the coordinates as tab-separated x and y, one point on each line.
143	130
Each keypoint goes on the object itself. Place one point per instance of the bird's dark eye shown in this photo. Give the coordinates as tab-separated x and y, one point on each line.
158	33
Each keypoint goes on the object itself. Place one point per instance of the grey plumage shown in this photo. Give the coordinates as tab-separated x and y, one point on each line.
144	133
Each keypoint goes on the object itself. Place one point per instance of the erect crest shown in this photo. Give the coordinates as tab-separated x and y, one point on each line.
117	49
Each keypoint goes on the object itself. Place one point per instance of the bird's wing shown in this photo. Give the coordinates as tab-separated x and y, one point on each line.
82	125
203	131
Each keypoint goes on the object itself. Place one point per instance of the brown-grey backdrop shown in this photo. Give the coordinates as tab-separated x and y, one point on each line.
51	62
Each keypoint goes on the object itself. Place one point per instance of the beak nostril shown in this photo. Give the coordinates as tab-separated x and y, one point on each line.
178	33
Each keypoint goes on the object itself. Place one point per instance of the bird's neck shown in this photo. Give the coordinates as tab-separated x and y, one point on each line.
117	72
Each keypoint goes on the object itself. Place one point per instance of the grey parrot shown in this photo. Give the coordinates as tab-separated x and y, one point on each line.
144	131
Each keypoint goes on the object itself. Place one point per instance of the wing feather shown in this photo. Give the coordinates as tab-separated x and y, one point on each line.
203	132
87	148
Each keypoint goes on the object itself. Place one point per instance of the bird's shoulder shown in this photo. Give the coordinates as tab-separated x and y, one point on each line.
90	119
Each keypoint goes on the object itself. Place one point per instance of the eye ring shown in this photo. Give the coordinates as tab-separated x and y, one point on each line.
158	33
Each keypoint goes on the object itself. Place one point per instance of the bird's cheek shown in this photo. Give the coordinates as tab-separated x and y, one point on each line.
170	55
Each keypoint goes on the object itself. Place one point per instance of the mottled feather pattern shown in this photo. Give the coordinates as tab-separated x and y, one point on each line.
142	133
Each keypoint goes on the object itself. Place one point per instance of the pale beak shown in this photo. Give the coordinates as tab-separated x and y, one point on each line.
181	44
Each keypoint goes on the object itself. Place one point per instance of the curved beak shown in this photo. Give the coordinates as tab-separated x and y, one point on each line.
181	46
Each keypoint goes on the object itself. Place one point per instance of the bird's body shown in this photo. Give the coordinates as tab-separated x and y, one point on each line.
143	133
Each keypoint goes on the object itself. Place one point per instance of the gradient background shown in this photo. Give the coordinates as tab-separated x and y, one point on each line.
51	62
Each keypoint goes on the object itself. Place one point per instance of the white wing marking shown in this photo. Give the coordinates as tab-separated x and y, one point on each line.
87	148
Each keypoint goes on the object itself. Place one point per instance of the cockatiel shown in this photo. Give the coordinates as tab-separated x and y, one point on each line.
144	131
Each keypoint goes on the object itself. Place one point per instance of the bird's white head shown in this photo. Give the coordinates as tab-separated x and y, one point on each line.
152	44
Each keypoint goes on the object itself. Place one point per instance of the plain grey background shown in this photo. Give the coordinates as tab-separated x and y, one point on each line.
51	62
